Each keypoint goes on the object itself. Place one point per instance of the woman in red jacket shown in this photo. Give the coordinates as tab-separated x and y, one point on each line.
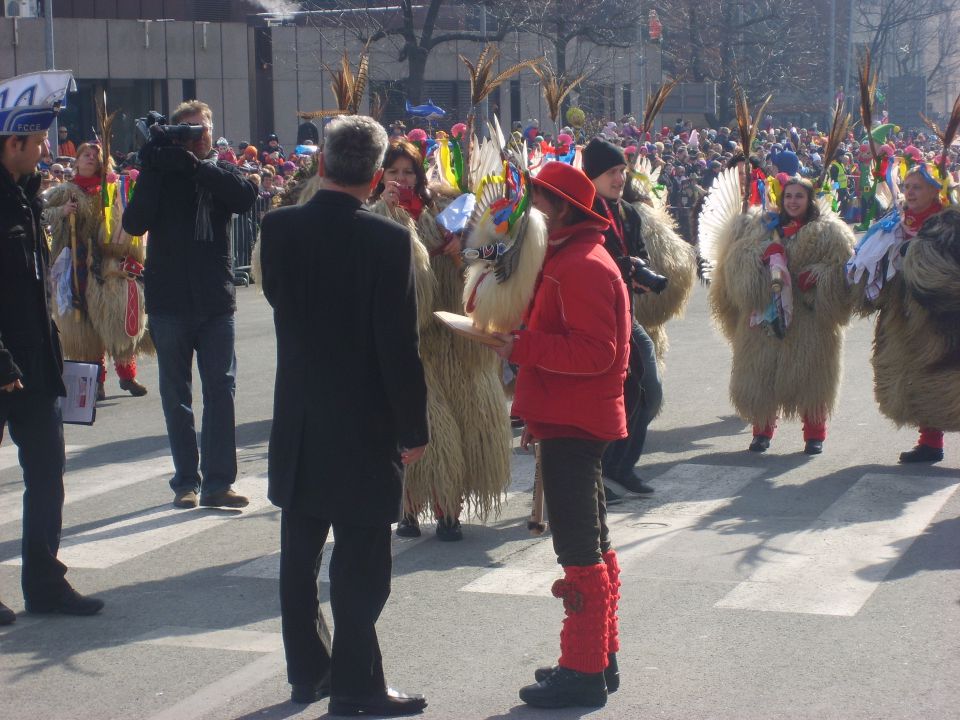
572	355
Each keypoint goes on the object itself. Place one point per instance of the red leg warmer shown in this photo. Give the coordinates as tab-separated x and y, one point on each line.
102	361
766	430
585	592
931	437
126	370
814	430
613	620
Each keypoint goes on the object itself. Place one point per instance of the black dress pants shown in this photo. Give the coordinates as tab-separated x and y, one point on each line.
36	427
576	505
360	568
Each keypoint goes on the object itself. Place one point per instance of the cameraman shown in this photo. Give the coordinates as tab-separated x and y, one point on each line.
605	165
185	198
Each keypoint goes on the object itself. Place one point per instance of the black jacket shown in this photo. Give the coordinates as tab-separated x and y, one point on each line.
184	276
626	219
29	340
350	388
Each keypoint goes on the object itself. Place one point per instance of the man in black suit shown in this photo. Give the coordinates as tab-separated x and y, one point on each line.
350	393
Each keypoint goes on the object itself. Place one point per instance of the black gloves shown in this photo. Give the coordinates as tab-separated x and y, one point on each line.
168	159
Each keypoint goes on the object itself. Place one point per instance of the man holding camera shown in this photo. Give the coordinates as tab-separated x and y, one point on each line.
185	198
604	163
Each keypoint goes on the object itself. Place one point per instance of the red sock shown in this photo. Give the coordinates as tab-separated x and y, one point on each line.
126	370
613	621
814	430
931	437
586	598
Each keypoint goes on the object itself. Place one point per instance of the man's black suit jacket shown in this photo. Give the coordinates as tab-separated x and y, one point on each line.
350	389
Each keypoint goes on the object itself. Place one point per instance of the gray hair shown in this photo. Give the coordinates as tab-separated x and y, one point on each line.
354	149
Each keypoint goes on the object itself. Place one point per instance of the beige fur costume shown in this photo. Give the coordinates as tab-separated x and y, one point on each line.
800	374
87	335
916	347
468	458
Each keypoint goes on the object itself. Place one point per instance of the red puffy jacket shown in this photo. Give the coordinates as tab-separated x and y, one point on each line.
573	353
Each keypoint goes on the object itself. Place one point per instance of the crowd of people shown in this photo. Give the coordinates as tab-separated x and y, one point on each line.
569	266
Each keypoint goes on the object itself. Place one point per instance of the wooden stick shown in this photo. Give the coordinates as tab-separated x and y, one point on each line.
537	523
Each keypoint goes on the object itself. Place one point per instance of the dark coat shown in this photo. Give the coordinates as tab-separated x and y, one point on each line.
29	343
350	389
183	276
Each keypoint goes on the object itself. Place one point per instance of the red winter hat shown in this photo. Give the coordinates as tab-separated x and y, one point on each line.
571	185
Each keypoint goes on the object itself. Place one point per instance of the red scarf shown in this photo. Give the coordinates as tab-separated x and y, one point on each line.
414	206
913	220
90	185
792	228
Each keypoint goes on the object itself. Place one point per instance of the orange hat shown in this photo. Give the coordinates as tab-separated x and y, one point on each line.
250	152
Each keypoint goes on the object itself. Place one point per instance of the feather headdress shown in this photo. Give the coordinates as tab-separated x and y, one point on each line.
347	88
867	80
947	136
655	103
748	130
555	88
839	124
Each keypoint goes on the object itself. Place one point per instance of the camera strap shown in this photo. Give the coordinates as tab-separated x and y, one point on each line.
616	225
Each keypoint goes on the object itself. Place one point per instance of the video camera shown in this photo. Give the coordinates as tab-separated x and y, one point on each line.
157	132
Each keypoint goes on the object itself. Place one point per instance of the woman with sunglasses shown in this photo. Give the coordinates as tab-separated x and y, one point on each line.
107	313
468	459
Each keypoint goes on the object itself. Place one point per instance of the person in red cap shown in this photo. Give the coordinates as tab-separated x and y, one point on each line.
572	355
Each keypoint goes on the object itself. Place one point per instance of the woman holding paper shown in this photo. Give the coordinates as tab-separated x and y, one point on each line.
572	355
468	460
106	316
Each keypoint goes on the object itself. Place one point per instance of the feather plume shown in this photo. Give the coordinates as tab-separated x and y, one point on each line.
105	121
555	88
483	81
838	131
867	80
947	135
748	129
655	103
347	88
377	106
720	209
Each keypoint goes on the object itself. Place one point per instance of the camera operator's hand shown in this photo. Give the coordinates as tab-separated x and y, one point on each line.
176	159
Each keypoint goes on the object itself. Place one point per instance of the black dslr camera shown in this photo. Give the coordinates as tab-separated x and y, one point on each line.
156	131
635	272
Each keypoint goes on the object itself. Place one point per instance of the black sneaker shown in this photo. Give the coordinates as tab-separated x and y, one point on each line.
567	688
761	443
922	453
70	603
449	531
611	673
304	694
633	483
813	447
611	496
7	616
408	526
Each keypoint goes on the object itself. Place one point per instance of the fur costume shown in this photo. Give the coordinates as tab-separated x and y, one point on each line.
671	256
800	374
468	458
916	347
100	326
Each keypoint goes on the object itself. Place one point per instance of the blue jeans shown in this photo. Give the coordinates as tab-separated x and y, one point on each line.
212	337
621	457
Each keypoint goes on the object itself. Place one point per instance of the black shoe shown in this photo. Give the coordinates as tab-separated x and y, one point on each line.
611	673
70	603
922	453
390	704
307	693
567	688
101	392
611	497
449	531
408	526
761	443
634	483
133	387
7	616
813	447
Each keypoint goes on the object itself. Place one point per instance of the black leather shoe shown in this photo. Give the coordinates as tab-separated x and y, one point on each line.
922	453
813	447
635	484
306	693
567	688
7	616
611	497
449	531
70	603
761	443
408	526
611	673
390	704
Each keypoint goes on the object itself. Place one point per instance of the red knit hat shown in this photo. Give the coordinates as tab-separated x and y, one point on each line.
571	185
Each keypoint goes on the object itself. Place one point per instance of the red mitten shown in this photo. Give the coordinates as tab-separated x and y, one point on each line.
772	249
806	280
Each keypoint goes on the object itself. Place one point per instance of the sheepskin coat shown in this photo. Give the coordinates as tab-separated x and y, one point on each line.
101	327
798	376
467	462
916	346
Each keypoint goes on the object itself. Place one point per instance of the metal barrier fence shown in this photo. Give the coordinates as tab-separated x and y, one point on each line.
245	231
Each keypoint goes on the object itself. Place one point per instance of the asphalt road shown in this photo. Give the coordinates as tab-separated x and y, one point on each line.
773	586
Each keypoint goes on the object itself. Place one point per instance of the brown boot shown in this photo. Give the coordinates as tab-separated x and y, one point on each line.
133	387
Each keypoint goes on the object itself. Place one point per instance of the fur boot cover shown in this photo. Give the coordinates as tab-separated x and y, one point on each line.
467	462
800	374
673	257
613	618
916	347
585	592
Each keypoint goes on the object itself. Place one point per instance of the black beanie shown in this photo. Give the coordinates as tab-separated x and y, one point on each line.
599	156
